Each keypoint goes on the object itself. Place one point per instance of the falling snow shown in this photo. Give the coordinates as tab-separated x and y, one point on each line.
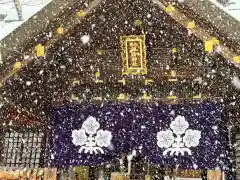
73	93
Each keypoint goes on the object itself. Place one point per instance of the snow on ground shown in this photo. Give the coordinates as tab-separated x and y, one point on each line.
7	7
232	7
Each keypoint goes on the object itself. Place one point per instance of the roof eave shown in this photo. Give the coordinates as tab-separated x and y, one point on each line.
221	20
18	39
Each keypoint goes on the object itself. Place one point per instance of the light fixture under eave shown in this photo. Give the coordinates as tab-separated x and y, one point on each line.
172	97
75	81
199	96
98	81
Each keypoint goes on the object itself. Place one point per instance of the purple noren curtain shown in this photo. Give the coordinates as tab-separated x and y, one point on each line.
189	136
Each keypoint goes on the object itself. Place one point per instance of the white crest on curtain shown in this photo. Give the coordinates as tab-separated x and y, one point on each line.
178	139
90	137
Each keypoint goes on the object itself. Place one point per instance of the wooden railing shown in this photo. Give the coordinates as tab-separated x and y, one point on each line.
33	174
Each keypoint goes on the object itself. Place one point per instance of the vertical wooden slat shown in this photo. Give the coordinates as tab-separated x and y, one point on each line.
50	173
214	175
81	172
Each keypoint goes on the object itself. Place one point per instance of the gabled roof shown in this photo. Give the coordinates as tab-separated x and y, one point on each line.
71	22
24	39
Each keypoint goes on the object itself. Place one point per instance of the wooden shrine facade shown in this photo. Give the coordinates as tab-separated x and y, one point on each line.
146	55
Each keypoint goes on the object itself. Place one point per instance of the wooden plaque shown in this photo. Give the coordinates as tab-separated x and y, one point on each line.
119	176
134	60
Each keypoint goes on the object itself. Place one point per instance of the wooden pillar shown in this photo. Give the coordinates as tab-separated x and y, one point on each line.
81	172
50	174
214	175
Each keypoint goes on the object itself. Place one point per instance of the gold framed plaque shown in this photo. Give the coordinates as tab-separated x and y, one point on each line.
119	176
134	60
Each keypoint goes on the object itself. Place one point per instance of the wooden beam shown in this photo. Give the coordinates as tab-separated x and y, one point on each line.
18	9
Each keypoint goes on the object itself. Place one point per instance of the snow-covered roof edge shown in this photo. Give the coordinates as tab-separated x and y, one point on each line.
216	16
27	12
33	26
232	8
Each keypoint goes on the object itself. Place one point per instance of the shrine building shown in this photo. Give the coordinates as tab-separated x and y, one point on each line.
127	89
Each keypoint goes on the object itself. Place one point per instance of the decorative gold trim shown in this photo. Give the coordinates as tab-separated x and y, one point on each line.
173	80
199	96
72	22
146	97
172	97
75	81
148	81
176	14
123	81
98	81
122	97
60	30
75	98
81	13
139	65
99	98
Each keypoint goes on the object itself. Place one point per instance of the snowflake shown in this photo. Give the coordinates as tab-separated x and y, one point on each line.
236	82
179	139
90	137
85	39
